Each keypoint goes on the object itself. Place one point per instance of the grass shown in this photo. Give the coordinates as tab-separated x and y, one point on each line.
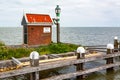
2	43
53	48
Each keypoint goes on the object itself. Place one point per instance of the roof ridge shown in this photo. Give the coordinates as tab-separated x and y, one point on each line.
36	14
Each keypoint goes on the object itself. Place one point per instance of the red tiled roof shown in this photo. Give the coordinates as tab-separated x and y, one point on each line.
36	18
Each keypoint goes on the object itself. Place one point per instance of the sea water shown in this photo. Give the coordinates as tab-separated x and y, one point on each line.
76	35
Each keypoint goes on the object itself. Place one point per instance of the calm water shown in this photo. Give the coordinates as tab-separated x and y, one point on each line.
76	35
89	36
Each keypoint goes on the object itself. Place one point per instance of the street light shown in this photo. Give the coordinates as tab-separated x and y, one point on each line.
57	11
56	21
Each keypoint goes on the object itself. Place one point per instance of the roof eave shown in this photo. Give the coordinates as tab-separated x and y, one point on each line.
26	18
40	24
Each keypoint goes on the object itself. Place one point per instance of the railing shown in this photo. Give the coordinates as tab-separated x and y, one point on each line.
73	59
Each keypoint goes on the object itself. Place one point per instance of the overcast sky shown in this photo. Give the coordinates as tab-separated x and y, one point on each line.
74	13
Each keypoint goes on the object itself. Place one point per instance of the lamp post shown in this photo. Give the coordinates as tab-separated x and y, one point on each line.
56	21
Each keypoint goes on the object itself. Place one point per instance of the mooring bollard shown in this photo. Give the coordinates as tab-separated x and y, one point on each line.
110	50
116	44
34	62
80	66
119	48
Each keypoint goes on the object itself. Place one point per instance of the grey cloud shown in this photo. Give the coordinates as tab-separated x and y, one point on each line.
80	10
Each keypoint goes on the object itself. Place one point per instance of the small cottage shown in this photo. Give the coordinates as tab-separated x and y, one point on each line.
37	29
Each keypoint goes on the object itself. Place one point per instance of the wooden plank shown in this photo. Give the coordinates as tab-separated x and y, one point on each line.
50	60
46	61
42	61
61	58
25	59
8	63
56	59
52	56
69	75
96	46
54	64
97	50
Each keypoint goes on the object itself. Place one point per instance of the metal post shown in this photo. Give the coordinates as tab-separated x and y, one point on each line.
57	11
34	61
118	45
110	48
115	44
58	32
119	48
80	66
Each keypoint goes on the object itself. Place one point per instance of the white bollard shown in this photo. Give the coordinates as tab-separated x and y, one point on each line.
81	51
110	46
34	58
34	61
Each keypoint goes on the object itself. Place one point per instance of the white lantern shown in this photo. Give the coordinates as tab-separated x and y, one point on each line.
80	50
110	46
